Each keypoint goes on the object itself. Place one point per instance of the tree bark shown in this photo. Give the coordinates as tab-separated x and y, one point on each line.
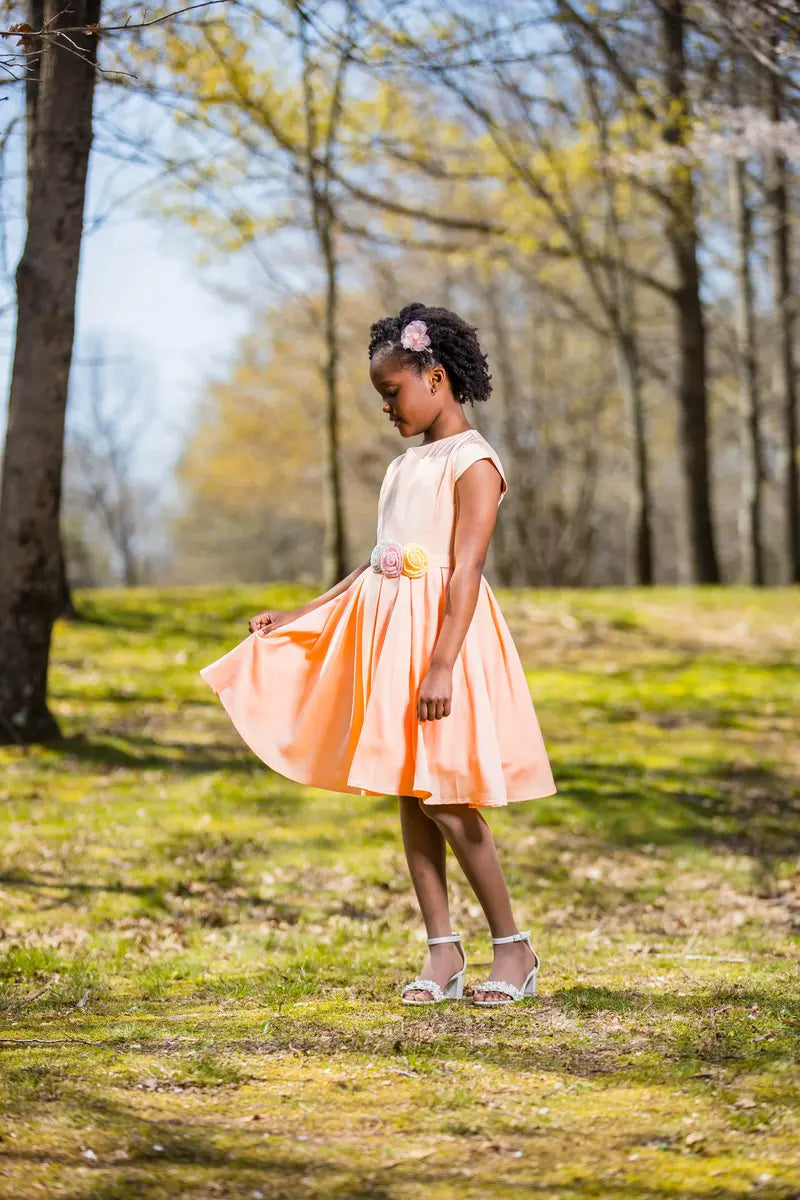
504	557
318	181
630	374
622	320
681	232
336	556
751	519
59	140
780	271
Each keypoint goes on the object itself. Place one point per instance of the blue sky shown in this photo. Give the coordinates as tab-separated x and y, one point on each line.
139	295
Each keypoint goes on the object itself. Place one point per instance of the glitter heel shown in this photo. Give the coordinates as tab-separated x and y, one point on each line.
514	994
454	987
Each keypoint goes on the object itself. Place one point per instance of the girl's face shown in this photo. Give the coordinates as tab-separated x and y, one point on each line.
408	398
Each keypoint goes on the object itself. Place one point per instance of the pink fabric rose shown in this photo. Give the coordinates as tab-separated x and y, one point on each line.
415	336
391	559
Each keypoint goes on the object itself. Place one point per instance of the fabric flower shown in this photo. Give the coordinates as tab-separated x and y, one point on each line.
374	558
415	336
391	559
415	560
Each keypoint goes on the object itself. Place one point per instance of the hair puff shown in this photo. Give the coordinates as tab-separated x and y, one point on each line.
454	345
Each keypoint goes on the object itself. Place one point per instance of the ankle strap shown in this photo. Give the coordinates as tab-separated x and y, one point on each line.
514	937
451	937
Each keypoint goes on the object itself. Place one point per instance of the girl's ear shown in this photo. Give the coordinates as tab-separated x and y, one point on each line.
436	377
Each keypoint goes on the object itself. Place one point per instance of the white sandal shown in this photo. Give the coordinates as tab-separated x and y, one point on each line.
454	987
499	985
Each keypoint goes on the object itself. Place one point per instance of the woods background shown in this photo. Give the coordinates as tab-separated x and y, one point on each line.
607	191
543	169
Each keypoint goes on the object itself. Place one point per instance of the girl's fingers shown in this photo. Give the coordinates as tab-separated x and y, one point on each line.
258	623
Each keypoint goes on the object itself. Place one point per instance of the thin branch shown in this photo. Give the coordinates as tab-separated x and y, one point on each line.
99	29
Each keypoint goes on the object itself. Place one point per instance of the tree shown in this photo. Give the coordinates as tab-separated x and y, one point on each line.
59	102
272	89
59	47
752	507
785	306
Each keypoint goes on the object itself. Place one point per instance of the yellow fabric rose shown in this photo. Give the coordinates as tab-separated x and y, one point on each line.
415	560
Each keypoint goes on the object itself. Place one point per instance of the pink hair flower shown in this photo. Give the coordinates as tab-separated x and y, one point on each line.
415	336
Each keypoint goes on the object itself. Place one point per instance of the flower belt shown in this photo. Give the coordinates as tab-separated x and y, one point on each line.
395	558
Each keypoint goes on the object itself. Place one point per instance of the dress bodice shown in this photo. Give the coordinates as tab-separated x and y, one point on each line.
417	500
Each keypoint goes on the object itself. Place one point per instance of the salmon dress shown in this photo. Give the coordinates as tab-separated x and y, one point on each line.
329	699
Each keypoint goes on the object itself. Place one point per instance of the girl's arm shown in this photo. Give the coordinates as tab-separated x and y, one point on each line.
336	590
272	618
477	495
477	498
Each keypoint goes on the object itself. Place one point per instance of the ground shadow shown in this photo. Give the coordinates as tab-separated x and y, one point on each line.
160	754
748	810
156	1148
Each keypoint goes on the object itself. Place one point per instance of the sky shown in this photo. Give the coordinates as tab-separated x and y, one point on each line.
140	296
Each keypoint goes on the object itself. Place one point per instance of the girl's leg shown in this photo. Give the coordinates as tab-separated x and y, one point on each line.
426	849
473	845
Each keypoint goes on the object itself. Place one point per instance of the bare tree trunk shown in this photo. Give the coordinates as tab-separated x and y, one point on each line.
780	260
622	321
681	232
337	557
64	604
59	142
504	558
318	180
531	468
751	526
631	381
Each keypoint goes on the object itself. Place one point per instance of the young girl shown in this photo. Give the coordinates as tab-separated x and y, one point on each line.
403	678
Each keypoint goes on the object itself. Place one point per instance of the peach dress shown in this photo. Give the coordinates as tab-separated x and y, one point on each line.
330	698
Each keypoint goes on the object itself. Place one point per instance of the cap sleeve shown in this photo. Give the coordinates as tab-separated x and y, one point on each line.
472	451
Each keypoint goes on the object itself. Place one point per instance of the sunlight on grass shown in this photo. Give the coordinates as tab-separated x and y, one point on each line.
200	961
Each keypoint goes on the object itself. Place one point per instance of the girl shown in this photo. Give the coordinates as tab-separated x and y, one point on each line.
403	678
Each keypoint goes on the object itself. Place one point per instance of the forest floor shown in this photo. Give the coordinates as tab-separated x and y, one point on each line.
200	961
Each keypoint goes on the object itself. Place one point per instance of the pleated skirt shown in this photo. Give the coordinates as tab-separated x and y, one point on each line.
330	698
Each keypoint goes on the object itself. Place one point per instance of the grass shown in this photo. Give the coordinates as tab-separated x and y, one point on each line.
200	960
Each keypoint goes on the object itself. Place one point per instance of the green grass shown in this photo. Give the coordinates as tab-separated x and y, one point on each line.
200	960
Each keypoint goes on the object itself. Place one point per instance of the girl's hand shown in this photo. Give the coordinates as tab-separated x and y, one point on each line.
435	694
270	618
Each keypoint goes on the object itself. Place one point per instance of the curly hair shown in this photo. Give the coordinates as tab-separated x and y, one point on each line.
454	346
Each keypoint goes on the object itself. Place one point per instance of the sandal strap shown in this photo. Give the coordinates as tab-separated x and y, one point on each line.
499	985
514	937
450	937
424	985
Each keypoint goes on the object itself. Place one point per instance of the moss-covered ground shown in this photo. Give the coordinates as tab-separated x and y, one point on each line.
200	961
